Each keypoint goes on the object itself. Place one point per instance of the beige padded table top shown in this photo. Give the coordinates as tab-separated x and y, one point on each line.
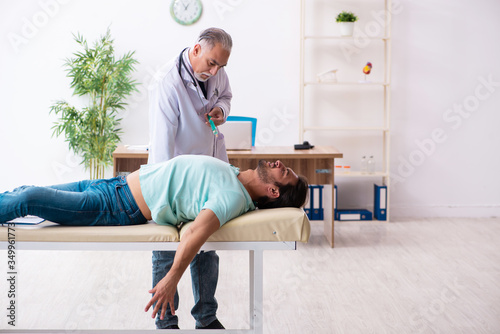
284	224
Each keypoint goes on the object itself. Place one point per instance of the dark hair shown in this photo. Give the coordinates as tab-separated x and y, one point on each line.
290	196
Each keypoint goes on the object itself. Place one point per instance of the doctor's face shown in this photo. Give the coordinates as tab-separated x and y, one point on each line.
206	63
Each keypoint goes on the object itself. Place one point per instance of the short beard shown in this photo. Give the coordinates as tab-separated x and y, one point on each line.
199	78
262	171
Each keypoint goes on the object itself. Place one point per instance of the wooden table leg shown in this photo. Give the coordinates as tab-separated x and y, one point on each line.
329	207
329	219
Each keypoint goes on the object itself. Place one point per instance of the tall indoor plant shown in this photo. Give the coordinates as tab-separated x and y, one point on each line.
93	132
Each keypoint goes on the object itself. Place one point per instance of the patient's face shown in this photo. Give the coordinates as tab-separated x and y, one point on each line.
276	172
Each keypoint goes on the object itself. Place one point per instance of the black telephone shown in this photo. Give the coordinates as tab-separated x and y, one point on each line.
304	146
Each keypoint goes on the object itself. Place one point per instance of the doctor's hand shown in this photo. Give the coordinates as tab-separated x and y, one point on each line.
163	295
217	116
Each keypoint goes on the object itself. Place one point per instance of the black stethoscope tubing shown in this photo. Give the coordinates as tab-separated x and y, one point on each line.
181	63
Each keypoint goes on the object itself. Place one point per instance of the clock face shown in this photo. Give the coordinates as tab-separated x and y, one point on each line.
186	12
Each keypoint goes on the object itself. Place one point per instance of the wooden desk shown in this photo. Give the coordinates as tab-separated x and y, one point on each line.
126	160
316	164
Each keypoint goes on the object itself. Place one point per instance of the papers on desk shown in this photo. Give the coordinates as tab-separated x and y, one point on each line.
137	147
27	220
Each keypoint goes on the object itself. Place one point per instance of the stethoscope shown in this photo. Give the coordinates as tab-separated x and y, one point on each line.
181	64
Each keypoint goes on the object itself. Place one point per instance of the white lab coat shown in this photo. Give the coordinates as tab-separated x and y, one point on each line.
177	113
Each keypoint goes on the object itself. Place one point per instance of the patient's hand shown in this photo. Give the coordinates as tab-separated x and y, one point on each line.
205	224
163	296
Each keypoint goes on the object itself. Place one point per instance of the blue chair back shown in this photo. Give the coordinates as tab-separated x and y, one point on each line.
247	119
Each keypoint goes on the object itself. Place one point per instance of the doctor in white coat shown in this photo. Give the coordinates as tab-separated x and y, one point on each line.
180	101
188	89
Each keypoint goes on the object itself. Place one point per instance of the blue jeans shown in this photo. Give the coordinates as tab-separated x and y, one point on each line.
84	203
204	276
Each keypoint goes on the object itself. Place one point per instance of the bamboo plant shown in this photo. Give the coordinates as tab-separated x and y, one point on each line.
93	131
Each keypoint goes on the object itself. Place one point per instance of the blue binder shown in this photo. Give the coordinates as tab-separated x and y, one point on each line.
380	202
335	200
353	214
315	209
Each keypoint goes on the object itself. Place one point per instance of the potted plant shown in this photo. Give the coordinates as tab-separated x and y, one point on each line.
93	131
346	21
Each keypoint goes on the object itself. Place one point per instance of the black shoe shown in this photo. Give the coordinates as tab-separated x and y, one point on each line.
213	325
172	327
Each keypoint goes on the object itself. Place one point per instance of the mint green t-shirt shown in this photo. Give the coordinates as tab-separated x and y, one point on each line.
178	189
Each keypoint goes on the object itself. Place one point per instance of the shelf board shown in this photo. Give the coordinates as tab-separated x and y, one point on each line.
345	128
359	174
346	37
316	83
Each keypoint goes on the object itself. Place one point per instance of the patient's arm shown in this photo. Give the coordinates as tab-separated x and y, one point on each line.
205	224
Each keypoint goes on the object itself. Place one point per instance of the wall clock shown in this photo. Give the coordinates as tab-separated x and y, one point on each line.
186	12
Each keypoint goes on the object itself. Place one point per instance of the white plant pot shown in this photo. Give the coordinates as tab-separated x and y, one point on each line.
346	28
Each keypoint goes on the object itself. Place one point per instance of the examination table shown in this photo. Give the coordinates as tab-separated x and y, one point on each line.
256	231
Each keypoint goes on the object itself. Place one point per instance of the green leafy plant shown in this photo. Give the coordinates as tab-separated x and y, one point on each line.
93	132
346	17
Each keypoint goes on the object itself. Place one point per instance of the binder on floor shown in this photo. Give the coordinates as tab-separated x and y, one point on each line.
314	210
380	202
353	214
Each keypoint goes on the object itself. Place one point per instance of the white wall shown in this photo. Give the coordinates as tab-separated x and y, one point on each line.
443	52
440	54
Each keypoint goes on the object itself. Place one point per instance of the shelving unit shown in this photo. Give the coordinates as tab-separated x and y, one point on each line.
324	134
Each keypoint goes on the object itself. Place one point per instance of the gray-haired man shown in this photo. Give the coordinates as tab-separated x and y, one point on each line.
190	88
